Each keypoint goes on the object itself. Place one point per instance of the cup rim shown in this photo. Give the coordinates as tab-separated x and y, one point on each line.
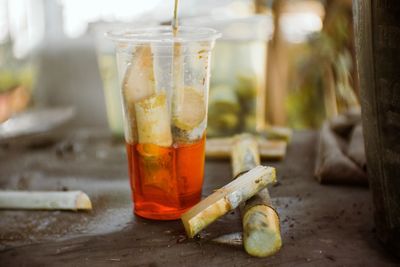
163	35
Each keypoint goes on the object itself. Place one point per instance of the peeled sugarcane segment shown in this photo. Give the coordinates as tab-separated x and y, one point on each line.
192	110
153	122
220	148
148	110
227	198
139	80
45	200
138	84
261	228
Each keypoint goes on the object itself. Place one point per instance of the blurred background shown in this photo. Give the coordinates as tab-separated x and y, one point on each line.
279	62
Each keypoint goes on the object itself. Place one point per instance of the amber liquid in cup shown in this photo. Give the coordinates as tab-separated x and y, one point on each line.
165	181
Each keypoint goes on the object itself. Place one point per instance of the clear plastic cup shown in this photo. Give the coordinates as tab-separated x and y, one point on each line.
164	81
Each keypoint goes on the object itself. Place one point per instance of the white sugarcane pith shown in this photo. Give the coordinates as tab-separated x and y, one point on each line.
153	122
191	111
261	231
261	227
45	200
227	198
139	80
220	148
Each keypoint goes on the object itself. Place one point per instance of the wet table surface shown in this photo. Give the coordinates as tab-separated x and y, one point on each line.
321	225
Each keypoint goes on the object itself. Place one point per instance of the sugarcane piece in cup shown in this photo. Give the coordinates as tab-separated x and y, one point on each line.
192	110
153	122
224	109
246	87
139	80
138	84
147	109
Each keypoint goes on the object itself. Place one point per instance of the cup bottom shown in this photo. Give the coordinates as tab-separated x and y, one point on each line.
152	212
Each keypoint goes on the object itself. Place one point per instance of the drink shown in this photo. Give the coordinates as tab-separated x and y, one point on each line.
164	75
165	181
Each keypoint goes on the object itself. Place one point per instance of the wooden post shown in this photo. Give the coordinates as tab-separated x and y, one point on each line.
377	31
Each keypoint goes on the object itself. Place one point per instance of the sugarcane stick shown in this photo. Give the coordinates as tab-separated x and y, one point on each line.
45	200
220	148
261	228
227	198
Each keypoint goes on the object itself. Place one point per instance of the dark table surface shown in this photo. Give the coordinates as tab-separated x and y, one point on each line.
321	225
